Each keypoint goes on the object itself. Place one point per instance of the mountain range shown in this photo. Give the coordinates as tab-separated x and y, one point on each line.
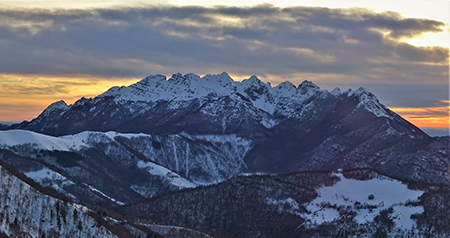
164	145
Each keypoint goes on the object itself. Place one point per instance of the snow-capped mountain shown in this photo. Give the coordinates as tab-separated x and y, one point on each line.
287	128
226	105
164	139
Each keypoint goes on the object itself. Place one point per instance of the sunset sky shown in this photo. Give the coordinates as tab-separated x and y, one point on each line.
399	50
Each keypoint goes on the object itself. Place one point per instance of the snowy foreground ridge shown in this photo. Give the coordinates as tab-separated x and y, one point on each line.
41	215
26	212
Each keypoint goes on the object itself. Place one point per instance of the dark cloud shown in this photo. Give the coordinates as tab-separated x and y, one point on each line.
263	40
422	54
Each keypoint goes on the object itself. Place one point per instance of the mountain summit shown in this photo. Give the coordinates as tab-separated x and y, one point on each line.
157	101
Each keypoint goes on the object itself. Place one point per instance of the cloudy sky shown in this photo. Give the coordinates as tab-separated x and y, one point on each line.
52	50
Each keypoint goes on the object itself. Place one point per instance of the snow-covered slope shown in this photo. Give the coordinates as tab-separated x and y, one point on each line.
366	199
387	194
145	165
28	213
39	141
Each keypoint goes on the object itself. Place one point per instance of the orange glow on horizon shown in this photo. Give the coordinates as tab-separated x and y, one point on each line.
426	116
24	97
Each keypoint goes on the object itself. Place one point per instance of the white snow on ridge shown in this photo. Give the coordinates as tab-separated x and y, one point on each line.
183	88
63	143
388	193
173	177
85	136
113	134
40	141
370	102
180	89
104	195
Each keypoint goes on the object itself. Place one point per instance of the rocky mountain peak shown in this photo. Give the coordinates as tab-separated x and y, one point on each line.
370	102
186	87
286	85
178	78
152	78
58	105
336	91
222	77
306	87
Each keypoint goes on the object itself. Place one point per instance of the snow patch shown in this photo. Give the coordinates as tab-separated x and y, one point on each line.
173	177
104	195
113	134
269	123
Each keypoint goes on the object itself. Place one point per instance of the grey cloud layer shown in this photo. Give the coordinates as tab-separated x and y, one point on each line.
263	40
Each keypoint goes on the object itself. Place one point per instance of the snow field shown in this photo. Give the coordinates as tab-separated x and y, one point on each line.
388	193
